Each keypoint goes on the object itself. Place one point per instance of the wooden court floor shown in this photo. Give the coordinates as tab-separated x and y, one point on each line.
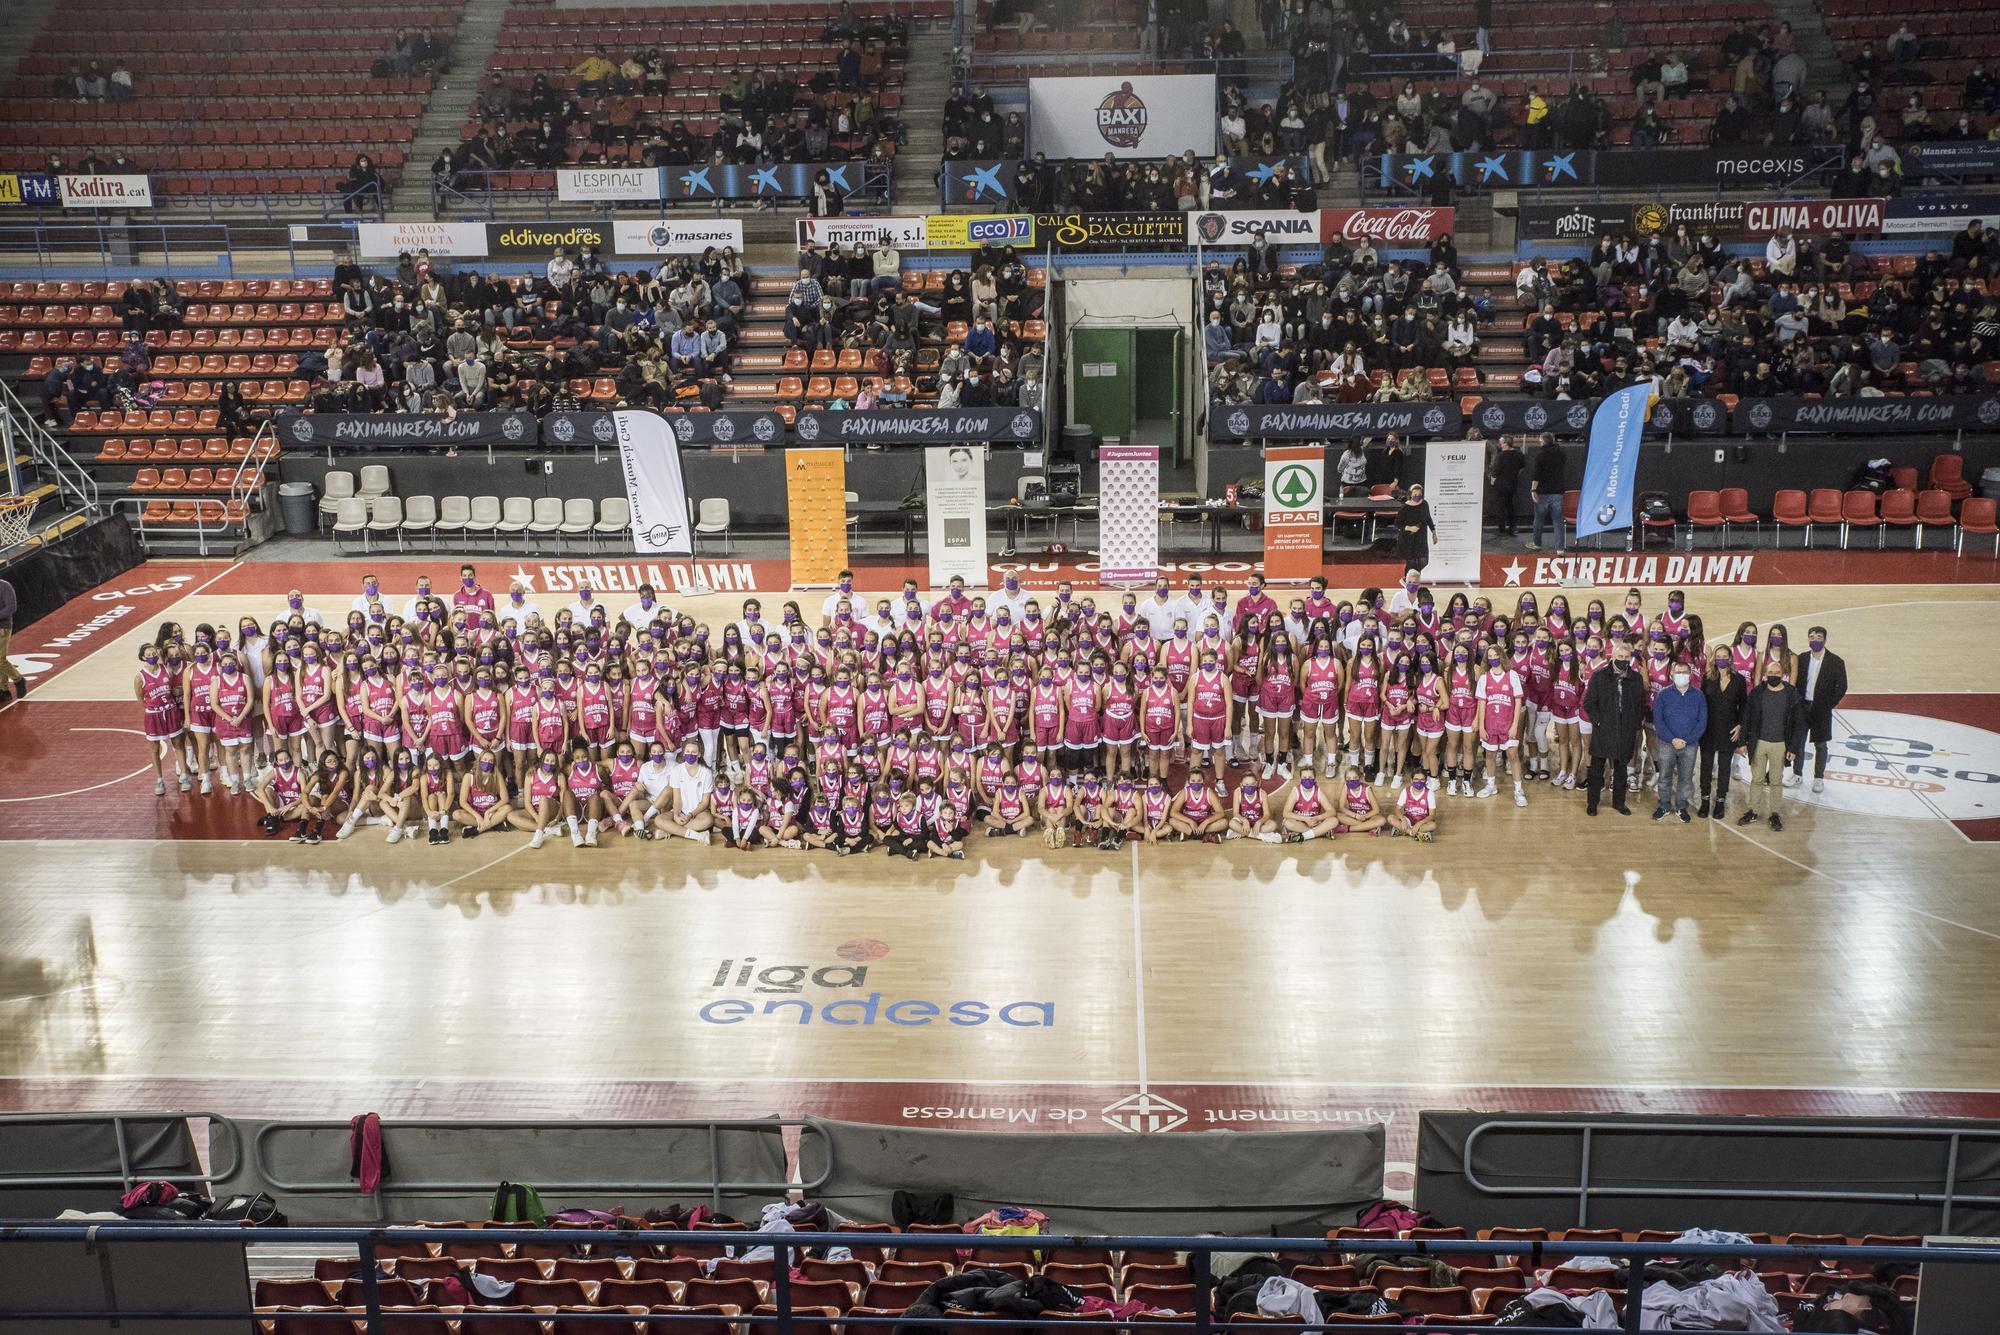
152	955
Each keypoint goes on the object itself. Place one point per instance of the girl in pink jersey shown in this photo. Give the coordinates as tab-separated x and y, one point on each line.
1120	714
437	792
1461	717
1363	699
1430	731
1308	812
1500	692
1399	716
1208	707
1080	719
1414	812
1198	812
160	716
1319	706
1565	713
198	691
543	798
520	726
1250	813
235	701
482	796
1160	721
1278	703
1358	811
1046	702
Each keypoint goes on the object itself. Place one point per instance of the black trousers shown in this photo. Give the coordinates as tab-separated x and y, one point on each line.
1593	782
1819	731
1503	512
1716	760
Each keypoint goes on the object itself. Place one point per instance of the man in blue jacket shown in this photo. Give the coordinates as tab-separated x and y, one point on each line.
1680	717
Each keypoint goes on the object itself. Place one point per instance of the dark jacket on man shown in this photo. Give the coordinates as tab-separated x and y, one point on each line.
1783	709
1615	704
1832	686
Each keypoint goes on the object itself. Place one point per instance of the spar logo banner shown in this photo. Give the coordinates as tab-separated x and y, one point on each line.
1127	116
106	192
1613	461
1294	510
585	185
1239	227
444	240
672	237
970	231
902	233
1128	487
651	460
1813	215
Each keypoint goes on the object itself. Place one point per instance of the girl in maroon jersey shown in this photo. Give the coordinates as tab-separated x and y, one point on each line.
1399	716
482	796
542	800
161	717
1319	705
234	706
1357	812
1461	719
1278	703
198	690
1362	698
1308	812
1414	812
1566	716
1198	811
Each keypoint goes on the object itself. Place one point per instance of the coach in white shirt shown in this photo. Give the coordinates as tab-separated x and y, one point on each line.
371	592
1009	595
646	611
1159	610
422	594
295	606
516	606
1194	604
843	591
909	609
586	603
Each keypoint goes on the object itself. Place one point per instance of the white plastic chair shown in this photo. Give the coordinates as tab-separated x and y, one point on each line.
547	520
374	481
516	513
614	519
385	515
454	514
336	487
485	517
712	520
579	518
351	517
420	515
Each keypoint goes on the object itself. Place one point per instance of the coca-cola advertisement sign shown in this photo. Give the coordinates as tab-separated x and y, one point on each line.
1385	227
1813	215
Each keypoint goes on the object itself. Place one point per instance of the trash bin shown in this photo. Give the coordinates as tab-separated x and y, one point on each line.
300	507
1077	442
1989	482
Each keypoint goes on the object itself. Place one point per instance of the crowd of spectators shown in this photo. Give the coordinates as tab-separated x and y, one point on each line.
90	82
957	346
1346	330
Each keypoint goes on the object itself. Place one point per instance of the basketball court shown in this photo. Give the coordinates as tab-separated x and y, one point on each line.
160	953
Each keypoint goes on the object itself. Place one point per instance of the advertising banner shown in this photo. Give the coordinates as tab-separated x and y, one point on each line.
444	240
902	233
1455	486
1385	227
955	514
1516	417
1813	215
1945	412
541	240
1128	516
987	182
970	231
1951	157
920	426
401	431
106	192
653	484
584	185
816	514
769	180
1689	417
1572	222
1645	168
671	236
1127	116
1724	217
734	430
27	188
1331	421
1920	215
1294	511
1613	461
1239	227
1098	231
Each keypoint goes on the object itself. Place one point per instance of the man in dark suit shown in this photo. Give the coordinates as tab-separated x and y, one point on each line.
1822	683
1615	704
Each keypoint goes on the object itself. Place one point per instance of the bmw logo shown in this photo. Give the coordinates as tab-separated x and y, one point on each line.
563	430
513	428
723	428
1536	417
1434	420
1760	415
765	428
808	426
1493	417
1023	425
1607	514
1238	423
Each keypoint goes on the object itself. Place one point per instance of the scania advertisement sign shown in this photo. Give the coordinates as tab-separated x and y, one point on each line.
1239	227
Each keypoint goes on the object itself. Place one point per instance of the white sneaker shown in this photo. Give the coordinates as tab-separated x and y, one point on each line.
380	820
536	840
1396	782
1269	838
1270	768
346	829
590	835
575	836
1791	779
395	834
205	788
185	785
159	788
1819	785
1520	797
1489	790
702	837
790	843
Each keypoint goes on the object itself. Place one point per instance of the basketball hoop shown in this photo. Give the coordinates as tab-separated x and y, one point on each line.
15	512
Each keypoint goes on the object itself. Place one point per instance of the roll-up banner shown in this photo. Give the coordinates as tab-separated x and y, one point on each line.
1562	417
1128	514
675	236
1612	465
1294	511
955	513
1128	116
919	426
579	185
404	431
444	240
1945	412
816	513
902	233
653	484
1454	485
1329	421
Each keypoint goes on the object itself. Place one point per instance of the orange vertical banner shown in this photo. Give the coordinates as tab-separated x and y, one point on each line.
816	497
1294	511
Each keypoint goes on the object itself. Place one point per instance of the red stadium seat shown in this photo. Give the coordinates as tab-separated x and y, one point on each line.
1976	516
1948	476
1857	510
1823	509
1704	510
1735	503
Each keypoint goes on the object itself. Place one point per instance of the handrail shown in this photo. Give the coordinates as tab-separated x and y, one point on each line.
251	466
714	1185
202	528
370	1242
73	480
1585	1188
126	1178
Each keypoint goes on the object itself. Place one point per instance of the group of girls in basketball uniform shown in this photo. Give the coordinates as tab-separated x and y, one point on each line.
907	730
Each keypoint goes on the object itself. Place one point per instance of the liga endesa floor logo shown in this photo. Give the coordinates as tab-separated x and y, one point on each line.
839	994
1885	763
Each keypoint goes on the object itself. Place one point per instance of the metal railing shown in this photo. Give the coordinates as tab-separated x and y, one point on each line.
21	429
211	518
127	1176
713	1185
785	1318
1587	1184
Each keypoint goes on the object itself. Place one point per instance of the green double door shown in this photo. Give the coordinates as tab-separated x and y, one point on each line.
1127	383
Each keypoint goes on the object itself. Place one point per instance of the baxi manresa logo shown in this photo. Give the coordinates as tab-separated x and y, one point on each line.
684	428
605	430
1023	425
513	428
1536	417
1989	411
1434	421
1664	418
1238	423
1493	417
807	426
724	429
302	430
1578	416
765	429
1760	415
1121	118
563	430
1703	415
